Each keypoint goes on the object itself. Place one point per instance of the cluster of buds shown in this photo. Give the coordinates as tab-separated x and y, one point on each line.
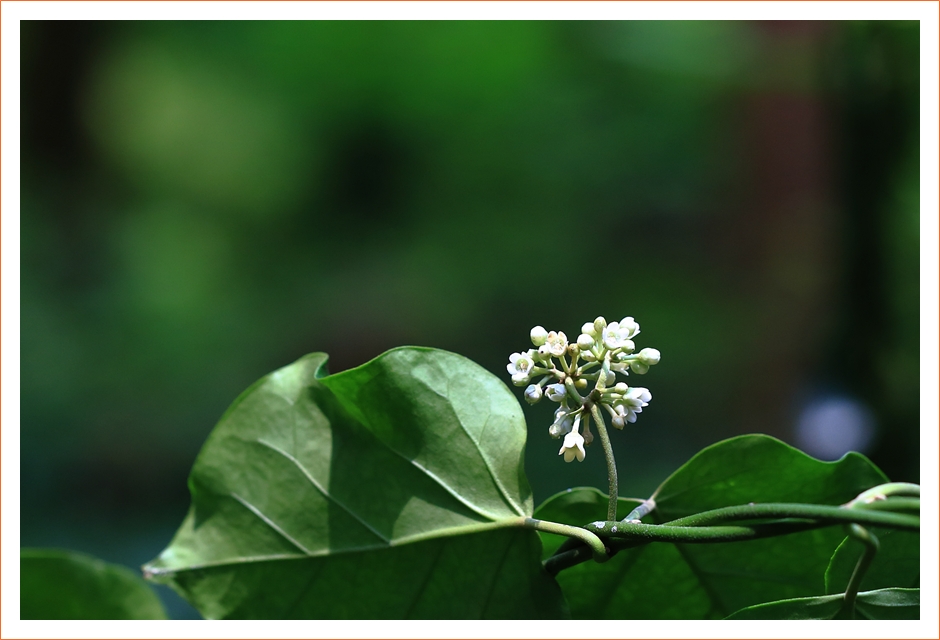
600	353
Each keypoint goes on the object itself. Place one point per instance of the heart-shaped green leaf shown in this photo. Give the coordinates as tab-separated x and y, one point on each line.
688	581
64	585
882	604
392	490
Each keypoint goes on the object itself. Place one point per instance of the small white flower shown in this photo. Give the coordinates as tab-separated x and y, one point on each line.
538	335
573	447
520	364
557	343
614	336
649	356
555	392
633	402
641	396
630	326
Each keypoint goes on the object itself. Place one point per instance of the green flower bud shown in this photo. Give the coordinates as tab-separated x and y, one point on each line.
538	335
639	367
585	341
649	356
600	324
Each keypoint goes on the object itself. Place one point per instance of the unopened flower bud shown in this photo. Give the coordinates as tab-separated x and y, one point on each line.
562	425
580	383
600	324
538	335
638	367
628	346
621	387
649	356
545	353
585	341
617	421
573	350
611	378
588	436
533	393
588	328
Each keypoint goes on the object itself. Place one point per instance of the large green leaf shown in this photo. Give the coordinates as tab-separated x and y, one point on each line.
713	580
897	563
64	585
391	490
882	604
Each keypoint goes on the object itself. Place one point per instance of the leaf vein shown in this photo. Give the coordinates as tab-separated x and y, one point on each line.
426	581
325	493
255	510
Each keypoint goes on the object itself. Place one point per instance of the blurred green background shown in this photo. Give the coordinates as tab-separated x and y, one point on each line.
204	202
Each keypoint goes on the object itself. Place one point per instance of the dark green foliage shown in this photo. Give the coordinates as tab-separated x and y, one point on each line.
714	580
897	563
64	585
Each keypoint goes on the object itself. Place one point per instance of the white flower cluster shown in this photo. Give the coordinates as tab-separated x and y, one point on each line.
599	354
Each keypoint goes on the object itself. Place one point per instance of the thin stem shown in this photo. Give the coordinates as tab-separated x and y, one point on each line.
571	553
625	534
796	510
891	504
643	509
851	591
883	491
645	533
596	544
567	559
572	392
611	463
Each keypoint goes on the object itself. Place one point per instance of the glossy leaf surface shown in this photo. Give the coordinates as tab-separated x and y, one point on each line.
662	580
64	585
391	490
